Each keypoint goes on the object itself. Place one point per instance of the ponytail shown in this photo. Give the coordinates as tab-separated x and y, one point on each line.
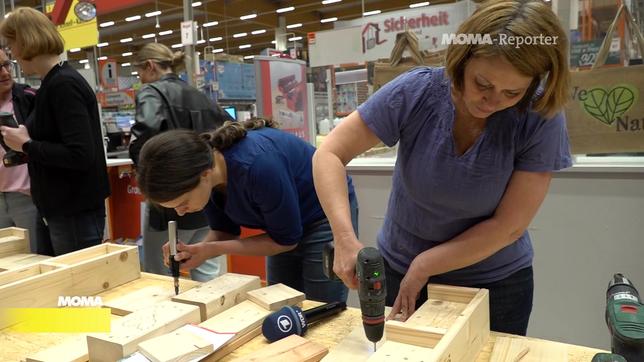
231	132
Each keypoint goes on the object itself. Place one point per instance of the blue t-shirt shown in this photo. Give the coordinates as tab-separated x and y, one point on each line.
269	187
437	194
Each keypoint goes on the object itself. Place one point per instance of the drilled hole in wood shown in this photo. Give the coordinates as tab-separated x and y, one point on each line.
222	300
106	285
123	256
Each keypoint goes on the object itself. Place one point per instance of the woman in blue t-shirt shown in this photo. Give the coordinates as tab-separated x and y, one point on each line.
478	142
253	175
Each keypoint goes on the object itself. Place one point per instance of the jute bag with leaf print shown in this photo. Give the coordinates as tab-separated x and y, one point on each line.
606	112
388	69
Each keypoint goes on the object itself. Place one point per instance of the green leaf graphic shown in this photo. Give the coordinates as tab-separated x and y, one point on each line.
595	104
619	100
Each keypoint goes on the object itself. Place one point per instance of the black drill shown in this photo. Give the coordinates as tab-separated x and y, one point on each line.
625	319
370	270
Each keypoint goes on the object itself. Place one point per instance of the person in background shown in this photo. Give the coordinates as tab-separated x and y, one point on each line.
253	175
166	102
16	206
64	144
478	142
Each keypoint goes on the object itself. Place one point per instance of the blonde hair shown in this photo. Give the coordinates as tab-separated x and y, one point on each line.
33	31
161	55
547	63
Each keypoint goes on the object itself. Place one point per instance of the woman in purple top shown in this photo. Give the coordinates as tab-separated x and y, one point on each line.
478	142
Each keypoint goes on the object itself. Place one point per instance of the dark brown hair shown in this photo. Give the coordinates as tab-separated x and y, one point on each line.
171	163
542	62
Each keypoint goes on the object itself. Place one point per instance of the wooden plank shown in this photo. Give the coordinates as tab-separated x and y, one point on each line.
134	328
20	260
416	335
140	299
395	351
220	293
507	349
276	296
244	320
14	231
232	345
448	293
292	348
73	350
354	347
180	345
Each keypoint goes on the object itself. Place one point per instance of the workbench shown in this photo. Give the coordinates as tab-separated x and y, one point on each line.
15	347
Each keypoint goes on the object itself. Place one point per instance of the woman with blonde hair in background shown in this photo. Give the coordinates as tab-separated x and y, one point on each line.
478	142
166	102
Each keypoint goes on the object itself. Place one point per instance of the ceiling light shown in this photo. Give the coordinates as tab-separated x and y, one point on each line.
100	45
245	46
178	45
248	17
134	73
249	57
165	32
154	13
126	40
86	66
257	32
133	18
148	36
125	64
196	3
217	38
273	42
328	20
218	50
102	58
326	2
200	41
106	24
373	12
74	50
418	5
285	10
239	35
126	54
83	61
295	38
212	23
293	26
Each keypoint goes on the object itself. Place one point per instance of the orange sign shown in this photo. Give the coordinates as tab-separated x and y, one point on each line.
108	74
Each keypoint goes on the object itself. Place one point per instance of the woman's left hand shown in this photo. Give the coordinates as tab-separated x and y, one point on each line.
15	137
410	287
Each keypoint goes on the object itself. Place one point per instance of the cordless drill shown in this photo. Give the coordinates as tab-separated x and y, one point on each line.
625	319
370	270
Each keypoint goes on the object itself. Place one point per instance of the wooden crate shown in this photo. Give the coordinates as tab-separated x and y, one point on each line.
13	241
81	273
452	326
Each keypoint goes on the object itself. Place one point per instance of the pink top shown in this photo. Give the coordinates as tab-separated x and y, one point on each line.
12	179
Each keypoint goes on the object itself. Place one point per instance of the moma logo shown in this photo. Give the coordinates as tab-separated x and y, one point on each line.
76	301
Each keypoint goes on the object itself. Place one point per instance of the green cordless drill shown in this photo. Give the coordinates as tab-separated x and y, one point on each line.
372	291
625	319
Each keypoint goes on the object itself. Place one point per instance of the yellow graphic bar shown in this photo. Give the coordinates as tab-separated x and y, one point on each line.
56	320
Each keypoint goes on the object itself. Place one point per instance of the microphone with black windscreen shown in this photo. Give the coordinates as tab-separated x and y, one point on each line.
292	320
